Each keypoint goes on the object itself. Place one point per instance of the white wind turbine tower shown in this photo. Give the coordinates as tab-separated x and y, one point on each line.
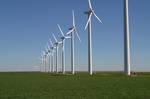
127	63
72	31
49	58
90	13
46	59
52	54
56	45
63	37
42	62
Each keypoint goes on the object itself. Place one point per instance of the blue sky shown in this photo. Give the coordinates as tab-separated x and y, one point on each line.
26	26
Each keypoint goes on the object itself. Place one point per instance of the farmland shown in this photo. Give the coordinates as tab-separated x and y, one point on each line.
34	85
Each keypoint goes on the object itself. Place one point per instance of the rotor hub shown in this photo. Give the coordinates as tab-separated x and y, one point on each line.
49	51
88	12
71	28
62	38
56	43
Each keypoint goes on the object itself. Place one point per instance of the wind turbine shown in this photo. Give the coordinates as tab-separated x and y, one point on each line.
56	45
127	60
90	13
72	31
42	62
52	54
63	37
49	58
46	59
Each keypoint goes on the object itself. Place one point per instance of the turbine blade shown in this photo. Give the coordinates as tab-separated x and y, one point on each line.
60	30
77	35
55	38
51	42
73	18
67	37
88	21
48	46
90	5
60	42
70	31
43	52
97	17
46	49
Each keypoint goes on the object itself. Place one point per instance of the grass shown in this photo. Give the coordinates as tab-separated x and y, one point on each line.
79	86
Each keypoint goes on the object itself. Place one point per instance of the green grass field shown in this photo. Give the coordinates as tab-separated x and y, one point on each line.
79	86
